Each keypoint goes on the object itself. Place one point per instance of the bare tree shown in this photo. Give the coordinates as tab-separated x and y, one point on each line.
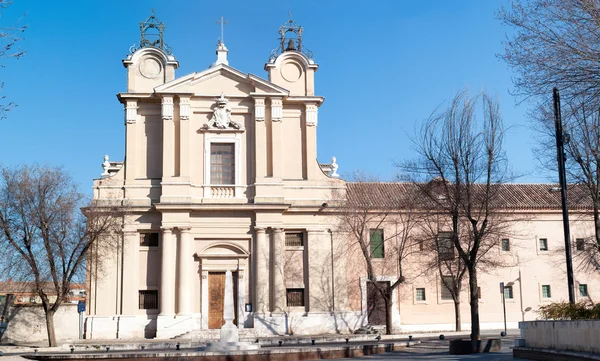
381	227
438	243
49	237
556	43
464	158
9	38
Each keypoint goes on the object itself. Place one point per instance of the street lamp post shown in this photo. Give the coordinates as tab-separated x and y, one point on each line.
560	150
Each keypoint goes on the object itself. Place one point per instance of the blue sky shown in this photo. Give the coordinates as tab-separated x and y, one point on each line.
384	66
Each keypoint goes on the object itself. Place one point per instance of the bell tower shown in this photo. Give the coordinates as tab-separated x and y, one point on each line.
291	65
151	63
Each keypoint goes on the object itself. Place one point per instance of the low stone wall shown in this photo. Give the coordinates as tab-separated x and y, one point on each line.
562	335
27	324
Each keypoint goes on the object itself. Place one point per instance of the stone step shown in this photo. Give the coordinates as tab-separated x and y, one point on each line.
244	333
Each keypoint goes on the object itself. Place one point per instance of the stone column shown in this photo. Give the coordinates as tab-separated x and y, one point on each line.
278	271
261	281
185	272
131	251
168	137
167	273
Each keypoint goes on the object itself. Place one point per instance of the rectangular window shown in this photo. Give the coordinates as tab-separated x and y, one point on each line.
222	163
580	244
420	294
543	244
295	297
546	292
149	239
583	291
148	300
445	246
446	293
377	250
508	292
294	239
505	245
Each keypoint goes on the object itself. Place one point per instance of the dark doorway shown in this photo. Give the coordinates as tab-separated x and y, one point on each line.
376	303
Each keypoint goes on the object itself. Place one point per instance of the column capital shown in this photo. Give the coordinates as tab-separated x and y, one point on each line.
166	229
130	232
315	230
277	230
260	229
184	229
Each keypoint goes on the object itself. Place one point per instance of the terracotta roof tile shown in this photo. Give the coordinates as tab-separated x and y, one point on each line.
509	196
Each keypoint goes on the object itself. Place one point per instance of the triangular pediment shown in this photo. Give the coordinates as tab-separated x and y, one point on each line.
220	79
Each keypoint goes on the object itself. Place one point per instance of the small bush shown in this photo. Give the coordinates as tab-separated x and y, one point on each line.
584	310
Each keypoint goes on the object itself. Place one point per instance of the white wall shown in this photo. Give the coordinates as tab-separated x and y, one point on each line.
27	324
562	335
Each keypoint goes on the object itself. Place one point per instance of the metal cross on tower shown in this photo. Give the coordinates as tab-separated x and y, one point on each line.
222	22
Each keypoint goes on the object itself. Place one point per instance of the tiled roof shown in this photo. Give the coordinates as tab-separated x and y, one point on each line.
508	196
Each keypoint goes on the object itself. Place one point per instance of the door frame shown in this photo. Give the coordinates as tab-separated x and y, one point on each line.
364	297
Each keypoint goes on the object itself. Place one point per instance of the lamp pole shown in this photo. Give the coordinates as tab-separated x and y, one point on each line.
560	150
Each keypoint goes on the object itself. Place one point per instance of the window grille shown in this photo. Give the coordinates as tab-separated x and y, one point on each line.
445	245
546	292
294	240
508	292
583	290
446	293
420	294
506	245
295	297
148	300
543	244
222	163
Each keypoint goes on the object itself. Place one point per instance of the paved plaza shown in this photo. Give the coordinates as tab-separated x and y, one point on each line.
426	350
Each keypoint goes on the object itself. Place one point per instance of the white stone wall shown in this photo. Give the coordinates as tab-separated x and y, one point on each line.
27	324
562	335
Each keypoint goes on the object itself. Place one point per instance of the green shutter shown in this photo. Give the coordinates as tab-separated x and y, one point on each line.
376	243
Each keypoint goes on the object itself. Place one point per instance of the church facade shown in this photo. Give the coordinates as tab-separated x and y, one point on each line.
221	174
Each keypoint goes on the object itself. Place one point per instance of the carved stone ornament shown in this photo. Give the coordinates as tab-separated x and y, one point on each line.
311	115
167	108
105	166
276	110
131	112
259	109
221	118
184	108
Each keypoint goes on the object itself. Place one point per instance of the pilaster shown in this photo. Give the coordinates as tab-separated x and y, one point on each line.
319	269
279	301
261	284
260	135
184	136
129	300
130	137
168	137
277	137
312	165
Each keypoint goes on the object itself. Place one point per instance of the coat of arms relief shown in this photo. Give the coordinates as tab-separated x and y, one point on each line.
221	118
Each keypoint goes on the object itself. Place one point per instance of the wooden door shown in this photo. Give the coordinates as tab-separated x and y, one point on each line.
376	304
216	294
216	298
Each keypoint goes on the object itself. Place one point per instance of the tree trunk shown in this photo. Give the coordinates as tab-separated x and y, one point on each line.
596	225
474	300
388	314
50	328
457	321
